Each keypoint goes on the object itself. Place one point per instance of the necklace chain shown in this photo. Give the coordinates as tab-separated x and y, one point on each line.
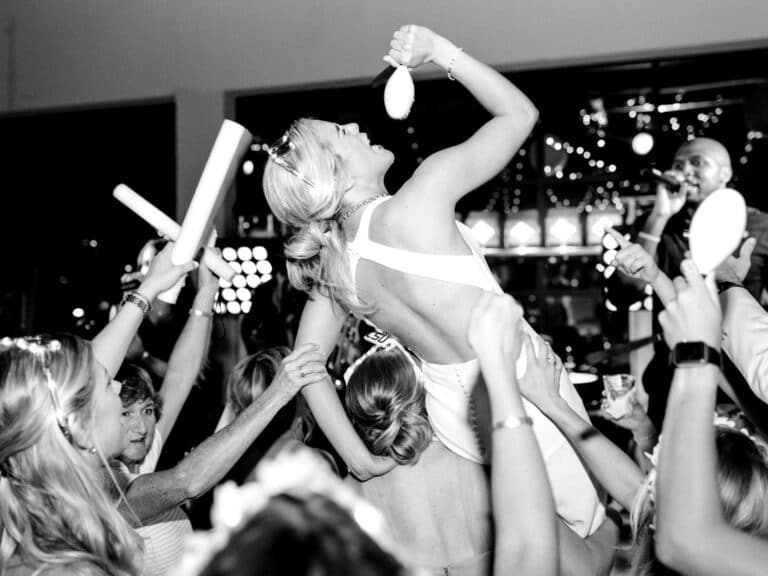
349	211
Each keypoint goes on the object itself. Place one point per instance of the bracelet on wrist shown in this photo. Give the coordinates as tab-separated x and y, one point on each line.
451	63
199	312
512	422
137	299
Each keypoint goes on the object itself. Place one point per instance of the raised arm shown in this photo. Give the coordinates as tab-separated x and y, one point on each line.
639	264
526	525
189	353
692	535
320	324
152	494
446	176
609	465
111	344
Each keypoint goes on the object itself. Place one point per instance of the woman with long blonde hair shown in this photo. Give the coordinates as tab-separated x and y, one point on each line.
59	417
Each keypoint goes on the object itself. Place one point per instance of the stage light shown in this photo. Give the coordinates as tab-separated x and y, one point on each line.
259	253
228	294
608	256
266	278
563	227
229	253
224	283
244	253
237	267
249	267
234	307
78	312
252	280
642	143
246	307
248	167
264	267
243	294
600	219
238	281
485	227
522	228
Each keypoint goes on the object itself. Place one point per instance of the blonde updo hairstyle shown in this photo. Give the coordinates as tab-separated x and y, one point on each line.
54	510
316	250
742	480
385	402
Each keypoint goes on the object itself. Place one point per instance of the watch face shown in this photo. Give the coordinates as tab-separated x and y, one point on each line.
691	353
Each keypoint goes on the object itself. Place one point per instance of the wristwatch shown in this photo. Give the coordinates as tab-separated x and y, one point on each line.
689	354
726	285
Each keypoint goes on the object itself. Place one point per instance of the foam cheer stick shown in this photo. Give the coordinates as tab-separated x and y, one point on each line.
168	228
399	92
717	228
228	149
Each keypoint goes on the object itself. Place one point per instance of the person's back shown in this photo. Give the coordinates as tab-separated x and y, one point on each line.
439	511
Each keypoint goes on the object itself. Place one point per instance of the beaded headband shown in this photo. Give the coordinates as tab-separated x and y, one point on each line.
277	153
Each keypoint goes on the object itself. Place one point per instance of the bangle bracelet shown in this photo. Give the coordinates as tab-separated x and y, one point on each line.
649	237
512	422
198	312
452	62
137	299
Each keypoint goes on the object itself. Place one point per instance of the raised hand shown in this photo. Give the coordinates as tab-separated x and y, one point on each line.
734	269
668	202
302	367
411	46
633	260
541	383
493	331
694	315
163	274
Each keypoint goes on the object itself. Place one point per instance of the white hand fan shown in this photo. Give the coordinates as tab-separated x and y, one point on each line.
399	93
717	228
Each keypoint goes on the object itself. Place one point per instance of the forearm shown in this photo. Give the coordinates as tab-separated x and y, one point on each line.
611	467
688	504
111	344
187	358
208	463
491	89
526	530
329	414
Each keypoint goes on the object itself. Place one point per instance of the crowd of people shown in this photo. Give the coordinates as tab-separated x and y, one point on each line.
459	445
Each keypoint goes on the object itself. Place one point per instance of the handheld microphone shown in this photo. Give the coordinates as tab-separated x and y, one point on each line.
661	178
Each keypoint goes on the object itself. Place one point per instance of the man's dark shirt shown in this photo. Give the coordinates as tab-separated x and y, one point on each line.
671	250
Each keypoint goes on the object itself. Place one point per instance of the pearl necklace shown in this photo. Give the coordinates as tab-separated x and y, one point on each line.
349	211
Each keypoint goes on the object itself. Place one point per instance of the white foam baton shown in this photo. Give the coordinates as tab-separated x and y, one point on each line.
230	146
168	228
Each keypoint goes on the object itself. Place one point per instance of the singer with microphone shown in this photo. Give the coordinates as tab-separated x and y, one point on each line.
700	167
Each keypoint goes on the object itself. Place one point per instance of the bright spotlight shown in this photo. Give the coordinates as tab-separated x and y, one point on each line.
248	167
243	294
239	281
252	280
642	143
245	307
244	253
233	307
249	267
259	253
264	267
228	294
78	312
229	253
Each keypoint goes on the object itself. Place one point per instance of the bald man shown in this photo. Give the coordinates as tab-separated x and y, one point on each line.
701	166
